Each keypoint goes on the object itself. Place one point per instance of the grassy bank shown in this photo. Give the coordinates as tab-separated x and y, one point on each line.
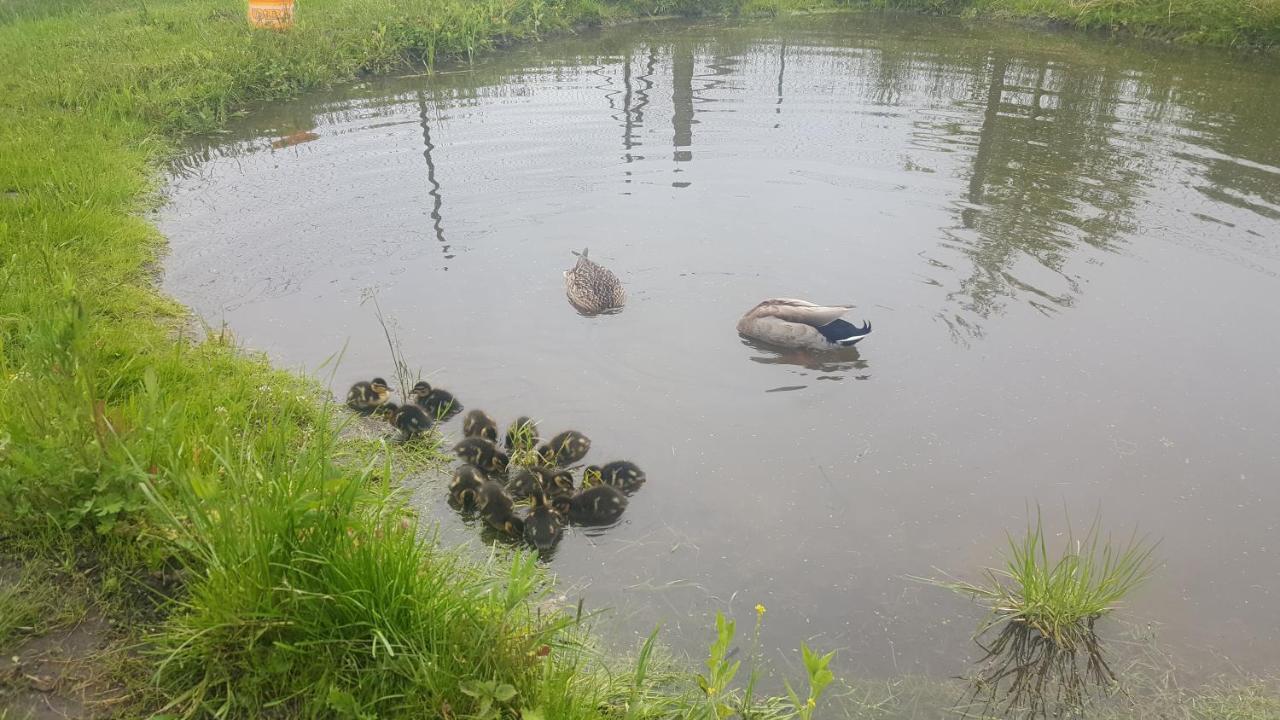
1240	23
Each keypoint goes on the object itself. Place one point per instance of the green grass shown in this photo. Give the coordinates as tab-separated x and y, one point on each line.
133	444
1046	653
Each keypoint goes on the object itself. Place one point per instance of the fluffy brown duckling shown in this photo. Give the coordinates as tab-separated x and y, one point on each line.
498	510
556	481
367	396
522	435
524	483
464	490
410	420
438	402
542	526
566	448
478	424
483	454
622	474
600	505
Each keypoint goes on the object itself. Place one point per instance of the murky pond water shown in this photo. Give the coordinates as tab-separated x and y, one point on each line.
1069	250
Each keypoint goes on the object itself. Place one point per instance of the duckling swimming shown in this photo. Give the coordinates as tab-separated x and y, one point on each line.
483	454
478	424
600	505
522	435
566	448
498	510
410	420
555	481
464	490
622	474
438	402
365	397
542	526
591	288
524	483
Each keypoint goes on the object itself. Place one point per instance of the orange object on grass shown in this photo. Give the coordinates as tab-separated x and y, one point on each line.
272	14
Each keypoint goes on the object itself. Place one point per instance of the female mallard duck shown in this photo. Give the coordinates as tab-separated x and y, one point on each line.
438	402
592	289
600	505
542	527
566	448
801	324
478	424
522	435
368	396
410	420
624	475
464	490
483	454
556	481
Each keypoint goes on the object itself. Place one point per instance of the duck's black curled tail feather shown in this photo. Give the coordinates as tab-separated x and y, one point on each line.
844	333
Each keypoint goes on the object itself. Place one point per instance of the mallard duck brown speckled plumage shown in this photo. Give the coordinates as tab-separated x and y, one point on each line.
592	288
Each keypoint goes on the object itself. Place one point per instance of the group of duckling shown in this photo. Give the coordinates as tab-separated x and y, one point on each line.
494	479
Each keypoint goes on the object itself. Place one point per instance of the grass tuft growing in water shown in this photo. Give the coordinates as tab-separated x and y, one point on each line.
1046	653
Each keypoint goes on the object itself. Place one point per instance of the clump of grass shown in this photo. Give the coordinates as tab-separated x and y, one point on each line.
1046	653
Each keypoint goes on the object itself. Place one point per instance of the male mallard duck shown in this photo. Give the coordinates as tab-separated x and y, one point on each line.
410	420
566	448
542	527
477	424
524	483
600	505
368	396
624	475
591	288
483	454
522	435
800	324
438	402
464	490
556	481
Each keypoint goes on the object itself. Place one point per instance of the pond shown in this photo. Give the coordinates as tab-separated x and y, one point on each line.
1069	249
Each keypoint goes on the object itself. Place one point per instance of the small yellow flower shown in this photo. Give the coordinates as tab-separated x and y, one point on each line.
812	704
759	609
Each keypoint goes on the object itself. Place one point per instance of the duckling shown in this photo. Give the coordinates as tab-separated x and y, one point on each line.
556	481
493	499
524	483
483	454
566	448
542	527
498	510
365	397
600	505
478	424
438	402
464	490
522	435
624	475
410	420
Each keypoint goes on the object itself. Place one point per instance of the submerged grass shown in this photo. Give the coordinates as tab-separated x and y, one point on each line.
1046	652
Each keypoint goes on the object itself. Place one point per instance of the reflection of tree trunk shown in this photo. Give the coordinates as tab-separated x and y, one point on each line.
434	189
986	139
628	126
682	100
782	69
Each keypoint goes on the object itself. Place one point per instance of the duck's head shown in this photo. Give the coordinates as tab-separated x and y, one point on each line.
420	389
591	476
561	504
379	385
387	410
